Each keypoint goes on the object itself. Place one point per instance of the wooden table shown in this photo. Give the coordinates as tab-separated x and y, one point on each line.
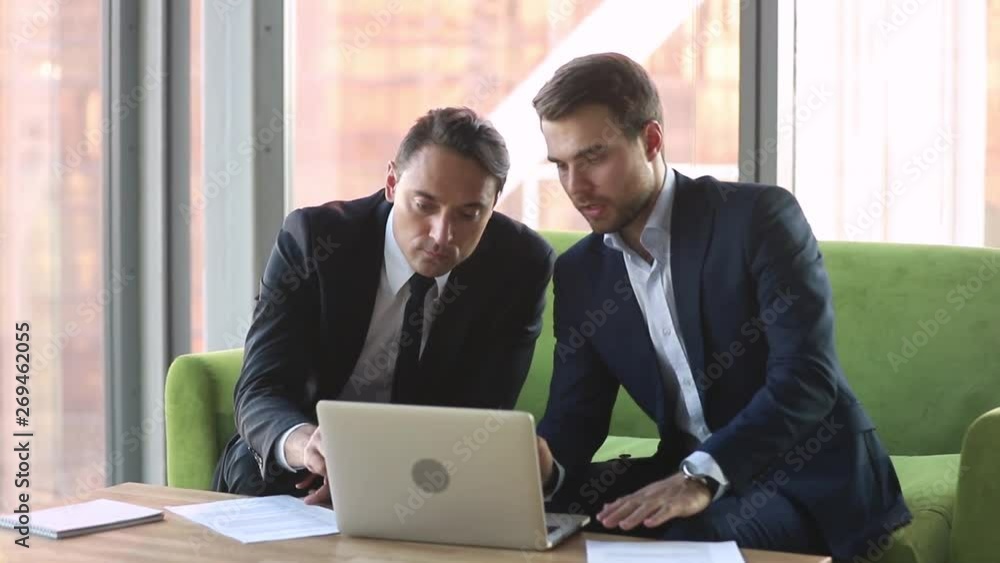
181	541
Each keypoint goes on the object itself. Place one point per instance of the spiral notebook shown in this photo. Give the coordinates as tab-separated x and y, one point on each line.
84	518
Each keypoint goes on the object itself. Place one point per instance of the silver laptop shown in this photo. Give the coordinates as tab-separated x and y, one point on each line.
438	474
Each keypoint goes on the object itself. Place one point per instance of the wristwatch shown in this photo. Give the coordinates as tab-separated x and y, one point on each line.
712	484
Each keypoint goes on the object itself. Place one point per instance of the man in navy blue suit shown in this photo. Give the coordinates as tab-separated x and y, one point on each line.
713	310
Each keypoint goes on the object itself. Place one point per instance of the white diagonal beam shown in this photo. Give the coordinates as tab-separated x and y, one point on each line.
635	28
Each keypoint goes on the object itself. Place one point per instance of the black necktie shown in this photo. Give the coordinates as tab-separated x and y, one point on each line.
410	336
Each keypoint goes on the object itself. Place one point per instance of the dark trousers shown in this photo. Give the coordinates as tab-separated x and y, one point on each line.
237	473
775	524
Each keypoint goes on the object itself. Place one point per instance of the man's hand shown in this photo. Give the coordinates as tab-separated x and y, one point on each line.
545	460
304	448
657	503
315	496
295	445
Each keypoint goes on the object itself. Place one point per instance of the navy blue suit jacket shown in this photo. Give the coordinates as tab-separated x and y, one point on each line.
755	313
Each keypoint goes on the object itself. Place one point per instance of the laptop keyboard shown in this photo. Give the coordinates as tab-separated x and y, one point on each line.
554	522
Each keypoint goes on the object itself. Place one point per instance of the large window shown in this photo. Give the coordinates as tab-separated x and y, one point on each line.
195	211
897	131
51	215
364	71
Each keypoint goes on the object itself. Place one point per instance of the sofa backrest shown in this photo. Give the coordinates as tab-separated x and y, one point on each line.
198	404
923	383
917	328
918	333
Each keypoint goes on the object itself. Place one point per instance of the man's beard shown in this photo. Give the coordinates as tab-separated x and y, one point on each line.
625	215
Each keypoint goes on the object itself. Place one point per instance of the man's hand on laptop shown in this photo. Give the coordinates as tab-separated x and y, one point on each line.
304	448
545	460
315	496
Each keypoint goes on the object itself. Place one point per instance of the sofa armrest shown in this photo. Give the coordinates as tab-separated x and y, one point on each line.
192	446
977	504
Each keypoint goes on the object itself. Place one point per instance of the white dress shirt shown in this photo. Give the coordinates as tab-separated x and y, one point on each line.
654	292
371	380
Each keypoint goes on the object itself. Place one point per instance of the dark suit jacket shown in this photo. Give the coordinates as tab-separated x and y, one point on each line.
756	318
315	304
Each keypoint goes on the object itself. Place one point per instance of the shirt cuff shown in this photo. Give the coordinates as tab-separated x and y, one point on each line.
702	463
280	447
560	476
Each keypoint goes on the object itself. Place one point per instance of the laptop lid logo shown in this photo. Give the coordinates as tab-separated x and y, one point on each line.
430	476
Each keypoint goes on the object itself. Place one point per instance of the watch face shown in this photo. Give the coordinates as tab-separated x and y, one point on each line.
703	479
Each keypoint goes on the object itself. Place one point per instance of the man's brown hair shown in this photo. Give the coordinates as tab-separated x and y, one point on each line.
608	79
463	131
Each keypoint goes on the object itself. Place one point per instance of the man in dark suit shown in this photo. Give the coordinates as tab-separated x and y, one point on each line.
418	294
718	321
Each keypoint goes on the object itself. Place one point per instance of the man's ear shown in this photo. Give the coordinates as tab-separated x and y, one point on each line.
652	137
496	192
391	179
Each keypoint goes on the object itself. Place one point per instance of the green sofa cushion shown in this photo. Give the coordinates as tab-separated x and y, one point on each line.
615	446
928	484
199	396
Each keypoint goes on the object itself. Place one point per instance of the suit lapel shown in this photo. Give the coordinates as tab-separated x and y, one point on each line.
353	295
690	232
629	344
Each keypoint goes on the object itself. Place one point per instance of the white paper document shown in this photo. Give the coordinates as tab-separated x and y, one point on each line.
659	551
250	520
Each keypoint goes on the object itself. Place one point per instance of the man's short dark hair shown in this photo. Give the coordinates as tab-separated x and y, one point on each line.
607	79
463	131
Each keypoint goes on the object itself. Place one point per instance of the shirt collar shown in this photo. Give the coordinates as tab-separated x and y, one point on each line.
397	270
656	233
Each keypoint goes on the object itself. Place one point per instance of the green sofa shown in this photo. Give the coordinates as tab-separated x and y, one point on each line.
918	333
